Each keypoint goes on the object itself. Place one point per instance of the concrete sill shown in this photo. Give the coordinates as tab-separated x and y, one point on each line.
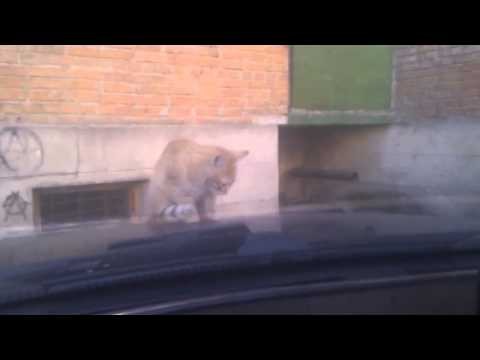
329	118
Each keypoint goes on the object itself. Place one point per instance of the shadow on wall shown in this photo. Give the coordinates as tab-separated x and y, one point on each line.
425	168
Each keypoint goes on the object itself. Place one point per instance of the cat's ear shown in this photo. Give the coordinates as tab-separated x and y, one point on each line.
239	155
218	161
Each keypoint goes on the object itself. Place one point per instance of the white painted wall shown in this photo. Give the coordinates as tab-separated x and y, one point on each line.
77	155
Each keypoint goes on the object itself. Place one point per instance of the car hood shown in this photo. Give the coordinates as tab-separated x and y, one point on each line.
61	258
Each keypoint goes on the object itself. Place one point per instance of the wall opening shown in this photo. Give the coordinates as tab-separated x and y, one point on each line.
57	206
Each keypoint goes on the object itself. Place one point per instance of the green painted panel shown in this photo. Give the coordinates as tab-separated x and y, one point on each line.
341	77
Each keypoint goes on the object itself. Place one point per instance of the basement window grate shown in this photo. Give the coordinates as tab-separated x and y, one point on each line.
81	204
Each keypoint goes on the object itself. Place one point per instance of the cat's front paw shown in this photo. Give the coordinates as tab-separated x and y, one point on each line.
185	211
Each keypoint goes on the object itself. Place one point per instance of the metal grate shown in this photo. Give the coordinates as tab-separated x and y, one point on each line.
77	205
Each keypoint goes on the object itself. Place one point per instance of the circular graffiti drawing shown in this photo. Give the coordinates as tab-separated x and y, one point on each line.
21	150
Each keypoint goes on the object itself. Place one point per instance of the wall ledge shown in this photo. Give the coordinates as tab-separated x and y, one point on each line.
348	117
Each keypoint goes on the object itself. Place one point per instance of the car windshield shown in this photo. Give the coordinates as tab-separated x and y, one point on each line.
160	155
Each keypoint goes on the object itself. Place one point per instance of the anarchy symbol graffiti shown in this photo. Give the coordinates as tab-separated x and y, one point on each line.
15	205
21	150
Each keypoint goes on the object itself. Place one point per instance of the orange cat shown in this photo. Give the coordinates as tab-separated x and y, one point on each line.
187	179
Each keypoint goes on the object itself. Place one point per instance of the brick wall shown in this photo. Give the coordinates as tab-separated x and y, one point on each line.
437	81
161	83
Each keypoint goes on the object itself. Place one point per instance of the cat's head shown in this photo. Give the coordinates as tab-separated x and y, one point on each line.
223	170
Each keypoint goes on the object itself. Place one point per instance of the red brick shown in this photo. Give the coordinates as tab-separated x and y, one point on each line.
206	61
150	56
86	62
233	92
45	108
236	64
259	76
102	63
181	113
86	73
47	83
259	97
11	108
8	57
277	51
470	67
151	100
182	88
234	102
82	96
183	101
76	108
156	68
247	75
226	111
231	52
186	59
107	109
195	81
13	70
257	84
46	95
180	49
85	51
276	67
259	66
138	111
82	84
12	94
149	79
157	110
118	64
118	76
123	54
13	48
207	111
210	92
127	47
142	67
233	83
118	99
118	87
152	89
150	47
208	50
49	49
114	109
50	71
32	58
12	82
271	79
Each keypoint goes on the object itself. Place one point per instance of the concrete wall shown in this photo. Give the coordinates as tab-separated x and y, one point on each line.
143	83
77	155
434	164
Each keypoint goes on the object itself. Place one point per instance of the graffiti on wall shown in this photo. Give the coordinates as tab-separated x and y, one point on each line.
21	150
15	205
